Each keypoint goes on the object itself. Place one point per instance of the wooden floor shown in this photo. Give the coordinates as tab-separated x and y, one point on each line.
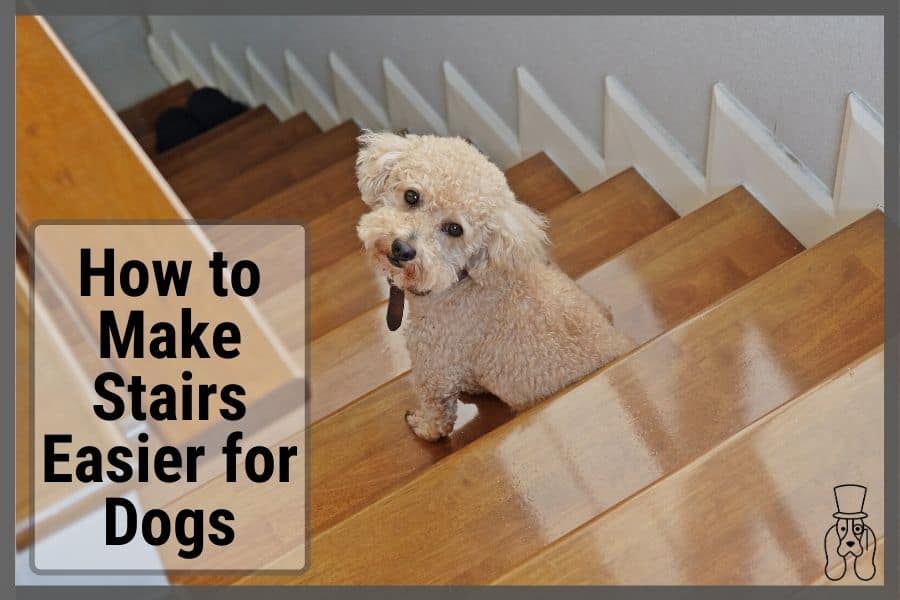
706	455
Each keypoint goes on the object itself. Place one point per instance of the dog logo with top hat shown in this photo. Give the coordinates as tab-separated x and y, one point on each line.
850	539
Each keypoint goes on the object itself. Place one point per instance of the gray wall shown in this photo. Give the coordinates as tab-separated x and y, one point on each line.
112	50
793	72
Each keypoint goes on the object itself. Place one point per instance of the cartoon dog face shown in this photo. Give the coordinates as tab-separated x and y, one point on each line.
854	535
440	210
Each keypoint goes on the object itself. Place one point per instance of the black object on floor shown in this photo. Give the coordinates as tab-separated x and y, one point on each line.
206	108
211	107
175	126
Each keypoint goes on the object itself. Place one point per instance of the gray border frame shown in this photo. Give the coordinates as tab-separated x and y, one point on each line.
467	7
887	8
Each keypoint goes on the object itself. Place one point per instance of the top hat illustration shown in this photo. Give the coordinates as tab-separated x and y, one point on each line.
850	499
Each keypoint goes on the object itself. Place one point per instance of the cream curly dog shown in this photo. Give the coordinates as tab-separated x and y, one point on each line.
488	309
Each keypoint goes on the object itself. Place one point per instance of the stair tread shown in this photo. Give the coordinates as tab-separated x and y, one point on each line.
786	499
674	273
232	160
615	433
330	205
333	234
540	183
349	287
141	118
211	143
614	215
309	198
224	199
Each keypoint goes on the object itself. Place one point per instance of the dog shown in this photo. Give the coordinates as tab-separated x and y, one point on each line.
488	311
850	538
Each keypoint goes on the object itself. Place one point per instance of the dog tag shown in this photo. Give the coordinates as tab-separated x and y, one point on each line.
395	308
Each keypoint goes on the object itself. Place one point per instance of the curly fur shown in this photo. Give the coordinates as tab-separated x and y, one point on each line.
516	326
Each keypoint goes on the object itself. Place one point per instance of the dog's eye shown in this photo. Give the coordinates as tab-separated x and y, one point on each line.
411	197
857	529
452	229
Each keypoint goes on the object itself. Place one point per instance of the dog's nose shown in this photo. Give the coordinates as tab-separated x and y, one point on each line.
851	544
402	251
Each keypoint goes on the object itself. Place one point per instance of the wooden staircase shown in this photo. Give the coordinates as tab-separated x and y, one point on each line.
709	432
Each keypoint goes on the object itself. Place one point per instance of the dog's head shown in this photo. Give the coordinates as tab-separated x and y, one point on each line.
855	536
441	210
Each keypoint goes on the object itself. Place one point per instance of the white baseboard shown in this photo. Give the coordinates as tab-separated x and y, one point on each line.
268	88
633	138
353	100
406	106
308	95
544	128
230	81
468	115
859	180
163	61
190	66
741	151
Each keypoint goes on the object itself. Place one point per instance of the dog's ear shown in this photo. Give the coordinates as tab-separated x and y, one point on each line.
378	153
516	238
864	566
835	564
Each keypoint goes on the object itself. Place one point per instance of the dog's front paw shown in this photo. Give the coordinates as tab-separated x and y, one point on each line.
428	429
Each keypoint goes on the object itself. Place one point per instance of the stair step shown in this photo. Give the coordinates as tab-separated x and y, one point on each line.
614	214
226	196
343	364
727	232
674	273
330	205
333	235
348	288
308	198
539	183
140	119
212	143
501	499
743	486
232	160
